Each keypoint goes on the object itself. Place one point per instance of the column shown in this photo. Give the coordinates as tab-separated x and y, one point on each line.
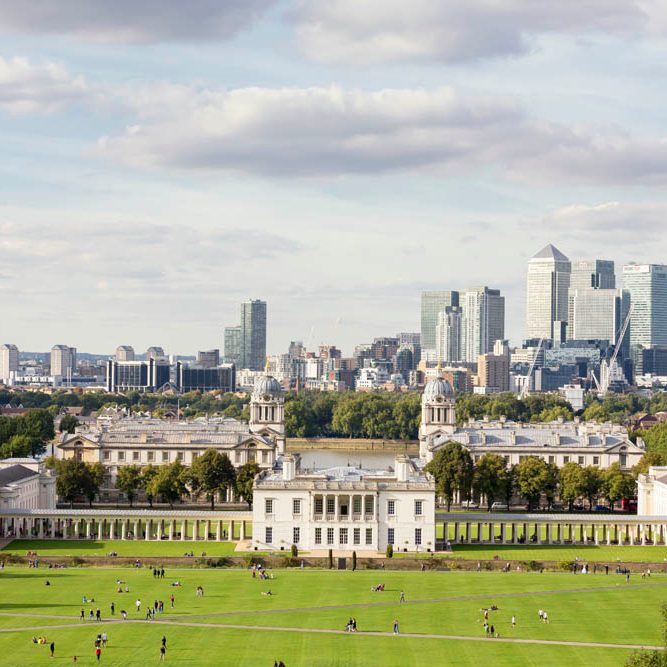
596	534
53	529
88	527
515	533
123	530
230	534
656	535
445	530
159	529
184	529
100	530
503	533
468	532
40	529
112	529
242	534
208	530
170	530
642	534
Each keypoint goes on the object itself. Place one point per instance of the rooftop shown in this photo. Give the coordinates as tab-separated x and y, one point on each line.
551	252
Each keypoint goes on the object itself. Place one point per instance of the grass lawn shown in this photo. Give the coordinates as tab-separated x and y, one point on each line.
582	608
137	548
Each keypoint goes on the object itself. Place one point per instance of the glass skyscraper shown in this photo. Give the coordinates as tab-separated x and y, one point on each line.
647	284
483	321
253	334
434	303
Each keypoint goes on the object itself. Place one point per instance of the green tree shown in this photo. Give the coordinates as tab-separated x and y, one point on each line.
532	478
129	481
489	478
299	419
649	459
453	471
170	482
592	484
552	484
347	418
68	424
38	426
407	415
17	445
148	475
245	478
73	479
92	481
571	483
655	438
211	473
617	484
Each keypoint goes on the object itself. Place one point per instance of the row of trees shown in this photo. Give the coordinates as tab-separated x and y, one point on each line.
25	435
490	478
211	473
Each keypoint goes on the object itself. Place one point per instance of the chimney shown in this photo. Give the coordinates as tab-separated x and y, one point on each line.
402	467
289	468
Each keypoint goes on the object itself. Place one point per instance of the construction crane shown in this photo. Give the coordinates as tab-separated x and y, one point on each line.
608	371
526	381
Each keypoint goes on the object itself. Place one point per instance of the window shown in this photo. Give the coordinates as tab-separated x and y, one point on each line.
265	457
195	455
342	536
268	506
331	505
369	505
179	456
237	457
150	456
296	535
580	460
391	507
269	535
318	536
330	535
419	507
390	535
369	536
507	458
356	536
318	505
356	504
165	457
296	506
552	459
107	456
566	459
596	460
136	456
418	536
121	456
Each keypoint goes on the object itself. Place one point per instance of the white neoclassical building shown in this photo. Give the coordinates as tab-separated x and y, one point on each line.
119	438
26	484
652	492
557	442
344	508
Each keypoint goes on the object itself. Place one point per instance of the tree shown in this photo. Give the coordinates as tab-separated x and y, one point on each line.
210	473
92	481
148	474
571	483
649	459
170	482
532	478
553	482
453	471
299	419
592	484
245	478
70	479
38	426
489	477
656	658
68	424
17	445
655	438
129	481
347	418
617	484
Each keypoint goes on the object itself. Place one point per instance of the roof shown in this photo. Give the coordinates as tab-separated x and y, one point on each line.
15	474
551	252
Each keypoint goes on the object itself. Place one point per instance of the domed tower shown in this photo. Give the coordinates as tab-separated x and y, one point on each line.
267	410
438	413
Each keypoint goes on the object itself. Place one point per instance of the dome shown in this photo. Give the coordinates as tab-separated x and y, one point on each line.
267	388
437	387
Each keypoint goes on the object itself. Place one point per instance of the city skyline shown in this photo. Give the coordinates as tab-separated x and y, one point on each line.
334	164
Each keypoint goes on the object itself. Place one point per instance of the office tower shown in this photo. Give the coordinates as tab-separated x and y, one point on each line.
448	335
409	338
9	361
124	353
589	274
208	358
647	284
547	291
63	360
433	303
253	334
483	321
155	352
232	346
149	375
493	368
597	314
296	350
193	378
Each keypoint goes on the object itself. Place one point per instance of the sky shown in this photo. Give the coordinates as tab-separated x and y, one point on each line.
162	161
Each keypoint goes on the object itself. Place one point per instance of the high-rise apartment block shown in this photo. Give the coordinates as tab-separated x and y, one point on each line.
483	321
547	293
208	358
124	353
493	368
253	334
232	346
9	361
63	360
155	352
432	304
448	335
647	285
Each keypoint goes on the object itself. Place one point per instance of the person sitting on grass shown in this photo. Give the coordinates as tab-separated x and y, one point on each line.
269	593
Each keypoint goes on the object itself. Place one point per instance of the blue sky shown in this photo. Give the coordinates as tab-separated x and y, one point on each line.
159	165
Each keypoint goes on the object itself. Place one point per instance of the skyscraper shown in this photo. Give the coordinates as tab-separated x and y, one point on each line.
9	361
647	284
448	335
432	304
232	346
253	334
124	353
63	360
597	314
208	358
589	274
483	321
547	291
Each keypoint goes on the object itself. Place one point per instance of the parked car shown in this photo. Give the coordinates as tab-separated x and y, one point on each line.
500	507
601	508
469	505
556	507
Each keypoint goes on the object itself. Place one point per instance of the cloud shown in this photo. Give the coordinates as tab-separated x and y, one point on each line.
133	21
451	31
29	88
324	132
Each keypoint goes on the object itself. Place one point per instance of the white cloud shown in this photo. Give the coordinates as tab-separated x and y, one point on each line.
30	88
376	31
133	20
304	132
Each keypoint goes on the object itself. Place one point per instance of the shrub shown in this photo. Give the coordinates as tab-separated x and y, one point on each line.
295	551
390	551
566	565
331	559
354	560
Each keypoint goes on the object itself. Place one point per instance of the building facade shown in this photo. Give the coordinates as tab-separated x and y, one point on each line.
647	285
26	484
433	303
448	335
63	360
193	377
597	314
9	361
253	334
124	353
344	508
483	321
147	375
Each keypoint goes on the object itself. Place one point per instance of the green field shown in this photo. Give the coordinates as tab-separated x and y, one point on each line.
301	623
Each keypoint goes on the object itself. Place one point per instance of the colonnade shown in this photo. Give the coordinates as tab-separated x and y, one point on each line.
121	525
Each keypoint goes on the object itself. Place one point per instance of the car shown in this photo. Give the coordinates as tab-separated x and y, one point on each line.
556	507
500	507
601	508
469	505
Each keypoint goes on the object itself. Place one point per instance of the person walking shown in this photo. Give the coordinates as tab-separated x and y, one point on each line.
113	608
98	653
83	615
98	614
163	651
545	616
104	639
52	647
514	621
138	604
401	598
171	599
164	641
395	628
